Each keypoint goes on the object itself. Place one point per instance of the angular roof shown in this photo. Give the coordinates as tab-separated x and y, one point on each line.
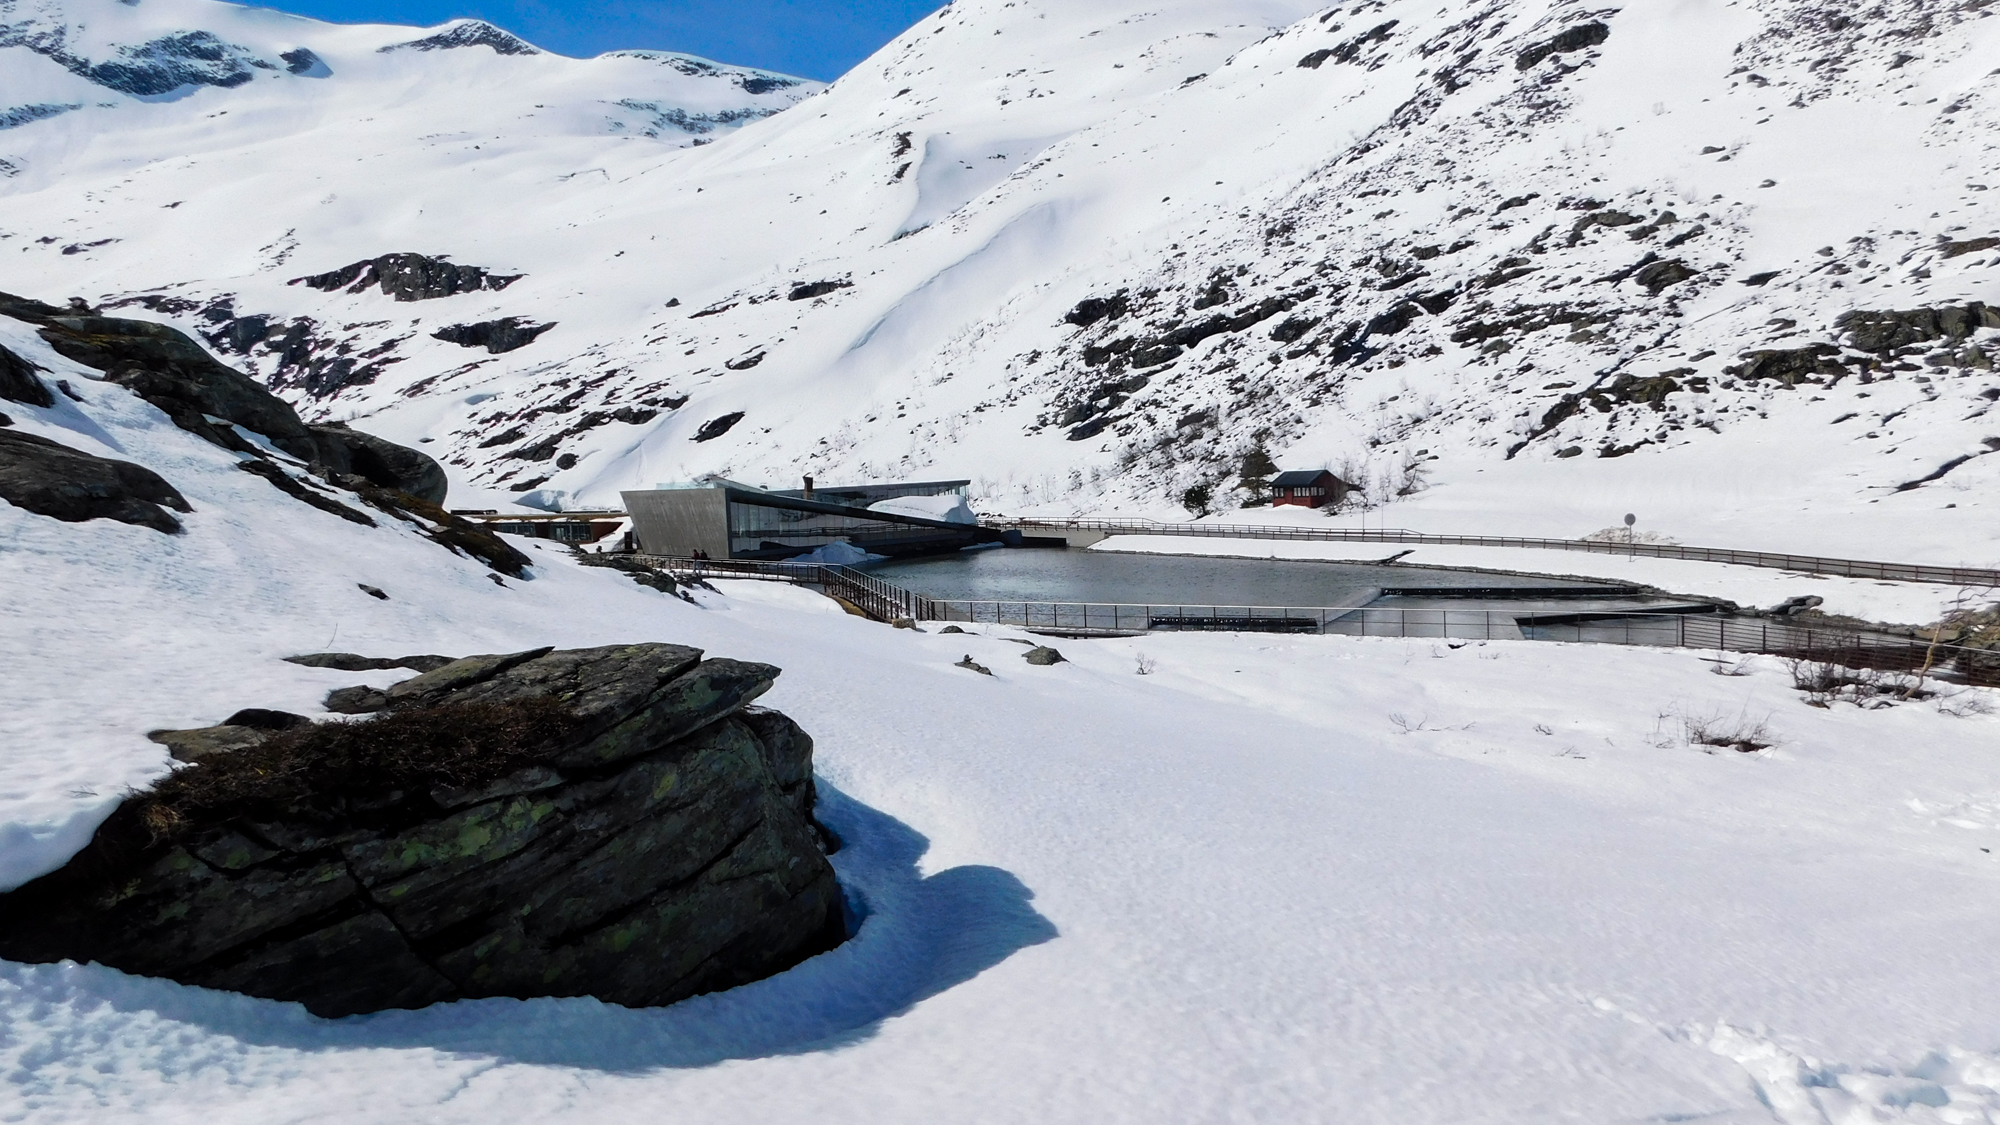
1299	478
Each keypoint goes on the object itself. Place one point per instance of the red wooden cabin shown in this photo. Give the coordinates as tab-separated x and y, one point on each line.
1308	488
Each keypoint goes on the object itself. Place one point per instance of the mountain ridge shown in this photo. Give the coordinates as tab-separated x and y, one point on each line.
1519	265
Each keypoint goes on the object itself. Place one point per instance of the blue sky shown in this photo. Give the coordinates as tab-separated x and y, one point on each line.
811	38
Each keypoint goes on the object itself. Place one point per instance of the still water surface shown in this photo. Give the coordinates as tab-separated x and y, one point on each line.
1038	575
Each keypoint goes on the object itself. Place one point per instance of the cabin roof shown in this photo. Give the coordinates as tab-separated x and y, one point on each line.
1299	478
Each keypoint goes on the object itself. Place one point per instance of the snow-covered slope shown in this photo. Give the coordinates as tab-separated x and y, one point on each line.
1514	262
1271	879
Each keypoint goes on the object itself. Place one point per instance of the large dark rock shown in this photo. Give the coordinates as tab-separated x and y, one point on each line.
496	336
1656	276
716	427
408	277
608	822
18	382
383	463
1090	310
807	290
51	479
1569	39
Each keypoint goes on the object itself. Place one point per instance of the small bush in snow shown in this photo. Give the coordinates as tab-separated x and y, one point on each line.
1709	733
1825	684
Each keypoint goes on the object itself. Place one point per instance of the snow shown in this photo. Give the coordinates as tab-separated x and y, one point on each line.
1271	875
1054	152
1072	917
949	508
1272	878
838	553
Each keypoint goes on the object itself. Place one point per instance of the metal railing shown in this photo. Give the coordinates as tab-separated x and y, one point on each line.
1684	629
1808	564
873	596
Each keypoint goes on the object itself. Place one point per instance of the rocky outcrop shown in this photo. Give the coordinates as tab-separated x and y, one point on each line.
648	576
148	69
716	427
18	382
807	290
496	336
408	277
206	398
1790	366
612	822
382	463
454	533
51	479
467	33
164	367
1571	39
1886	330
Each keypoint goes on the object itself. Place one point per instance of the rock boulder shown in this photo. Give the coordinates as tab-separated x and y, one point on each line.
51	479
610	822
18	382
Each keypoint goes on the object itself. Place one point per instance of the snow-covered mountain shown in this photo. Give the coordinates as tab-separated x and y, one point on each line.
1092	254
1524	265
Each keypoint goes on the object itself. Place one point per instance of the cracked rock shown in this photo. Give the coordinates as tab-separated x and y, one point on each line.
612	822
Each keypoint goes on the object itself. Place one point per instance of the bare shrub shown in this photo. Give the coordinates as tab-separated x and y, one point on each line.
1406	725
1825	683
1711	732
1741	733
1965	703
1410	476
1146	664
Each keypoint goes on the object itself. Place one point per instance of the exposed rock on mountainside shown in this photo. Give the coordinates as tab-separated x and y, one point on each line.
210	400
408	277
51	479
18	382
383	463
148	69
1889	332
716	427
610	822
1094	254
222	406
468	33
496	336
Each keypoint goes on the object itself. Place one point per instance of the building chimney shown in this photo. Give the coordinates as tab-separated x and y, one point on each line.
809	488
